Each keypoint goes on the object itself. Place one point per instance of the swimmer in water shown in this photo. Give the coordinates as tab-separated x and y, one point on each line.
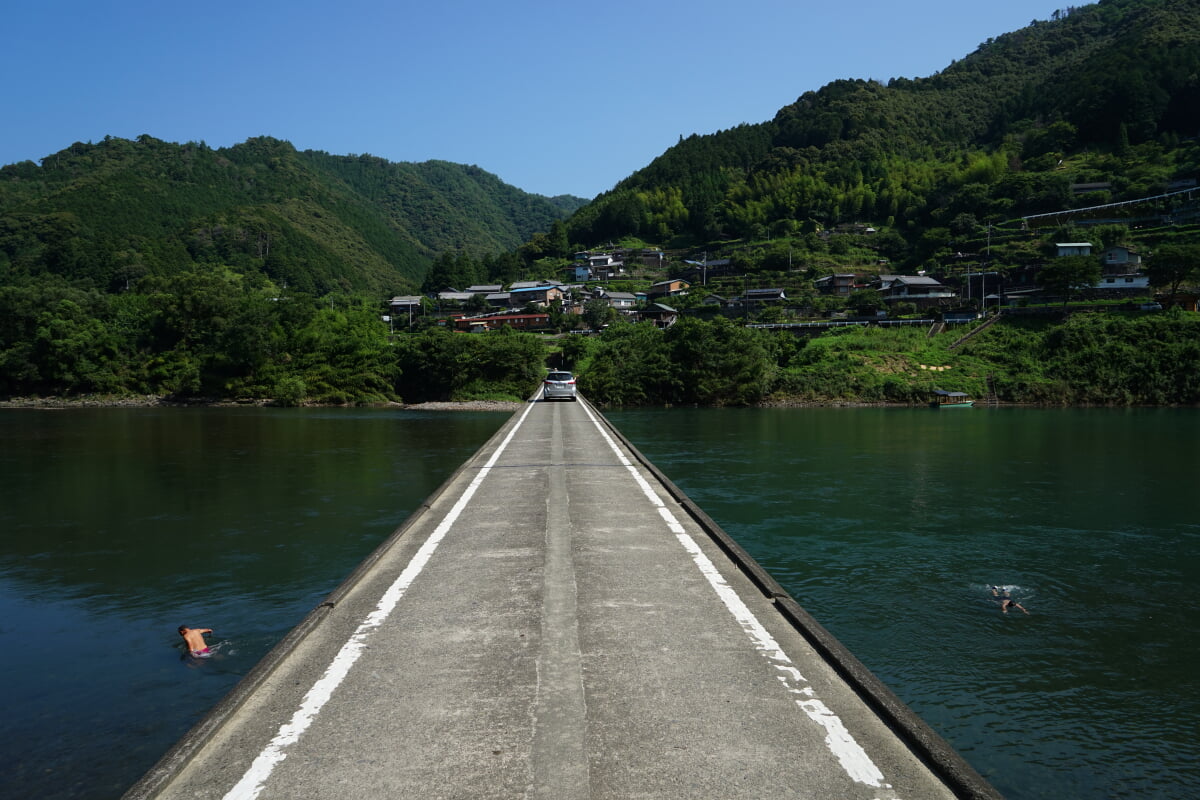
1005	599
194	638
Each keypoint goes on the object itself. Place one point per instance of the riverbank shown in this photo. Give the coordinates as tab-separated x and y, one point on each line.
155	401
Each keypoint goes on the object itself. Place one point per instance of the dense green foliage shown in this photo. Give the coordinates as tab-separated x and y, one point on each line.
708	363
1095	359
1098	359
1101	93
113	212
442	365
214	335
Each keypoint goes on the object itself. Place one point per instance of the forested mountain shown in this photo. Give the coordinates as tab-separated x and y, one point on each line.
115	211
1106	93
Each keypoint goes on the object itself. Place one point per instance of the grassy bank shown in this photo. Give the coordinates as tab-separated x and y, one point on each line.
1087	359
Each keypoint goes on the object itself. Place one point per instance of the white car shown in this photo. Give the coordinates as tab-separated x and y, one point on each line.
558	384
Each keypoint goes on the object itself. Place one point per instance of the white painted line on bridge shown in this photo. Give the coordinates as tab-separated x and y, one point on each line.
849	753
252	782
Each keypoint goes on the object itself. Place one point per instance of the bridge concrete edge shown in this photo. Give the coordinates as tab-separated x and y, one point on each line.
915	732
182	752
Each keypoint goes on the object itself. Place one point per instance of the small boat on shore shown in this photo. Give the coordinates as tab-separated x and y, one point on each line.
944	399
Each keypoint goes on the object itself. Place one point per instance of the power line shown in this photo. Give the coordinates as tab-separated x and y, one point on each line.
1071	211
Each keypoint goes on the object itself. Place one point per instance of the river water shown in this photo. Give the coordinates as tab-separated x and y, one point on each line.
889	525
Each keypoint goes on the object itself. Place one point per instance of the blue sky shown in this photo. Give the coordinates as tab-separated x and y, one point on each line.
560	97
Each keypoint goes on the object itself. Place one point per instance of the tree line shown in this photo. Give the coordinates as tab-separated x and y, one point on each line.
215	335
218	335
1084	359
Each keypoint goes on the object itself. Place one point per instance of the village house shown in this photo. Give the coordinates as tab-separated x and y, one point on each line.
532	284
662	316
578	272
652	258
521	295
621	301
1188	301
920	289
608	272
405	304
1121	270
595	267
403	308
605	264
491	322
1128	281
762	296
668	288
1122	259
1073	249
841	284
498	299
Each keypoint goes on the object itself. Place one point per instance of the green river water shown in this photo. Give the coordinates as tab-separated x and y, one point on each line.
889	525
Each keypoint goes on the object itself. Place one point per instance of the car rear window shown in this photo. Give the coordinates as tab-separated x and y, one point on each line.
559	376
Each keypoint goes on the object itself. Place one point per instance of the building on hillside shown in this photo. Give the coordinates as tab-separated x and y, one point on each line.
1073	249
668	288
491	322
498	299
1121	271
404	304
919	289
403	309
608	272
762	296
541	295
1122	259
661	315
533	284
652	258
621	301
578	272
841	284
1127	281
1188	301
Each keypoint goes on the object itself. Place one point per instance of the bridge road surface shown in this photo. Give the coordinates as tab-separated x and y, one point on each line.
553	625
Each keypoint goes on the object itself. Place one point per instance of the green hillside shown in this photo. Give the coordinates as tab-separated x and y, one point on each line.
113	212
1105	94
